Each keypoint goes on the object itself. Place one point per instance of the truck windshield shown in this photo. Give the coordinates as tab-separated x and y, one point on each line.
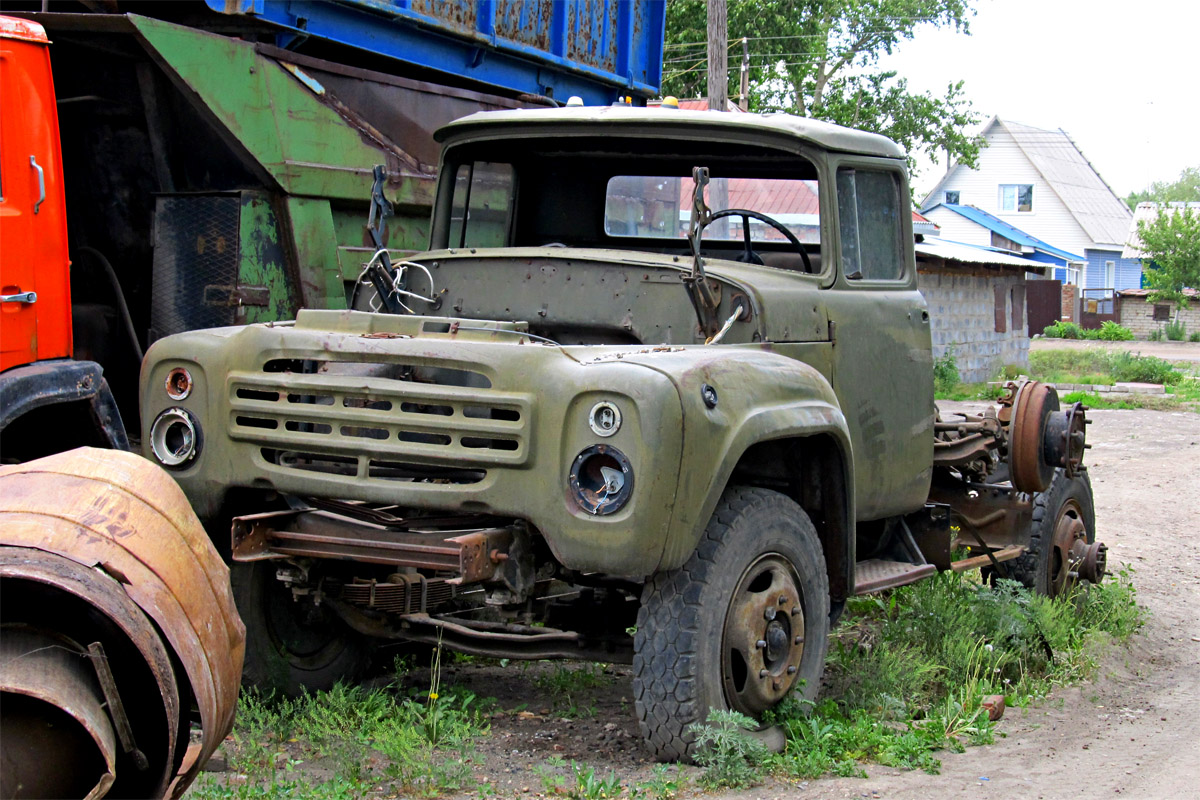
660	207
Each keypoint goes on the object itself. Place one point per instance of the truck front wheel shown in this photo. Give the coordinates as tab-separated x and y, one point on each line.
291	645
740	626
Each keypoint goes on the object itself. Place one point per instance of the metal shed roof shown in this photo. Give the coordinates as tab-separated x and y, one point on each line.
971	254
999	226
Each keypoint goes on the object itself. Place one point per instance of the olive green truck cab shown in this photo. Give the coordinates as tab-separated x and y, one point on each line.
661	392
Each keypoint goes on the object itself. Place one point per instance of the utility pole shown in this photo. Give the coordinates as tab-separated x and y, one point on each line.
718	52
744	97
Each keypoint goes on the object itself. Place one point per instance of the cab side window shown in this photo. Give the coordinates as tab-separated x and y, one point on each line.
482	205
869	216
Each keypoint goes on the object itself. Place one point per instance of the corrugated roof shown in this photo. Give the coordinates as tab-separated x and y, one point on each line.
923	226
1097	209
971	254
997	225
1146	292
1146	212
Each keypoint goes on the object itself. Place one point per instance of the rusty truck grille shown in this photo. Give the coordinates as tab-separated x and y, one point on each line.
381	427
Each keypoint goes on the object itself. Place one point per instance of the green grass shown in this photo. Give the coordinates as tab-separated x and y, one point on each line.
419	743
1095	368
909	670
568	686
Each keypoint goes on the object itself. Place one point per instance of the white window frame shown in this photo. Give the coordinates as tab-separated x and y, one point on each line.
1110	276
1015	197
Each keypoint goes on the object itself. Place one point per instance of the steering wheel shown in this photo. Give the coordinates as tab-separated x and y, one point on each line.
748	255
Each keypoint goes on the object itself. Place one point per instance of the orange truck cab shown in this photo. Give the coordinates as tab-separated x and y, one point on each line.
46	396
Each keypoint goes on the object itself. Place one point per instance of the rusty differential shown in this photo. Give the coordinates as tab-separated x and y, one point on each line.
1042	437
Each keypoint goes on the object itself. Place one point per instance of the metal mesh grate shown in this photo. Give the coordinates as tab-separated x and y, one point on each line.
195	262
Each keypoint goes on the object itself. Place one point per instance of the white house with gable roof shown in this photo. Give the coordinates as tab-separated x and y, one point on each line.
1039	182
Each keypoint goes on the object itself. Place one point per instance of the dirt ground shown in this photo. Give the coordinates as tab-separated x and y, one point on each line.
1133	731
1170	351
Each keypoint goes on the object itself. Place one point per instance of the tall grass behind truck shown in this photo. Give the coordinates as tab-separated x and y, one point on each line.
216	159
604	419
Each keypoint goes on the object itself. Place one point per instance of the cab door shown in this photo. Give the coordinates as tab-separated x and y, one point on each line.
35	309
882	362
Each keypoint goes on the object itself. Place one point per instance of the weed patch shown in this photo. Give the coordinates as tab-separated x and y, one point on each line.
568	685
730	756
419	743
908	671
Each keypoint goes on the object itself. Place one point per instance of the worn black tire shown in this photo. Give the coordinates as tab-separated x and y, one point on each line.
1036	568
287	650
678	647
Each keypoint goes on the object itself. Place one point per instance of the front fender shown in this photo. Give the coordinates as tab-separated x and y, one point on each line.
761	395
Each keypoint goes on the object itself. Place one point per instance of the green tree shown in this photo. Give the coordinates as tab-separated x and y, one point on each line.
819	58
1185	189
1171	244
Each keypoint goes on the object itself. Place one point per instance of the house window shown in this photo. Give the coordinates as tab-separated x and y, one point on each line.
1001	309
1162	312
952	198
1016	197
1110	274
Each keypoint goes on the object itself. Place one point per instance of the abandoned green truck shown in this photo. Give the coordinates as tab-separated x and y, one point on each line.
601	420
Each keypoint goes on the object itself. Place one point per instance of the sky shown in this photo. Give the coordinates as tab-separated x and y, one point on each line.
1122	78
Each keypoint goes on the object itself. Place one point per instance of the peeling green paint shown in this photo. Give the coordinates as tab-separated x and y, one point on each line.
302	143
262	260
316	243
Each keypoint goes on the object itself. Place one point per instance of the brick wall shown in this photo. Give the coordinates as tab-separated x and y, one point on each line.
962	309
1069	292
1138	315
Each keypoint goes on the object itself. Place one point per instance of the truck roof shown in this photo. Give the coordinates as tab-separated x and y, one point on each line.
24	29
613	120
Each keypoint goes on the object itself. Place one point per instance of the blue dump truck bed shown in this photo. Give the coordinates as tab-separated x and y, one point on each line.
597	50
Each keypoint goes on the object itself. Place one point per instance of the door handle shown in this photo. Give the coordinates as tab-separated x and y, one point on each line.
41	184
19	297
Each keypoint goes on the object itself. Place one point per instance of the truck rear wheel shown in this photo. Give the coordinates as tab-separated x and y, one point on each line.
1064	525
292	645
740	626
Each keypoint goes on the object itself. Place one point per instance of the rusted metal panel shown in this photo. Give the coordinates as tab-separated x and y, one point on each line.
472	555
110	532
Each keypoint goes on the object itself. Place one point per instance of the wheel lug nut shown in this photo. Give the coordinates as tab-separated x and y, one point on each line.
782	599
799	640
762	673
795	610
791	670
775	684
769	614
760	644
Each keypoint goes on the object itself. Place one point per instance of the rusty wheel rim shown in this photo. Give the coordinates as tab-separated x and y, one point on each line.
763	640
1070	533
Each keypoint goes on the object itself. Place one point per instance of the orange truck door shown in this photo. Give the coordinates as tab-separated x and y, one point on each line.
35	310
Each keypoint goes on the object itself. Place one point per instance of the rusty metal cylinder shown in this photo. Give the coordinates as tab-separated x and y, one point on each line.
52	702
119	621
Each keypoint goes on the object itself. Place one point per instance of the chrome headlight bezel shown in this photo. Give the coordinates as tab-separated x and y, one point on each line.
175	437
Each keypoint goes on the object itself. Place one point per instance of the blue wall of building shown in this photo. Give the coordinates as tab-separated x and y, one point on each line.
1128	271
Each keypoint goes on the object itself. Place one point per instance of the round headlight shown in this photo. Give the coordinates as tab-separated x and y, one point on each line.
601	479
175	437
